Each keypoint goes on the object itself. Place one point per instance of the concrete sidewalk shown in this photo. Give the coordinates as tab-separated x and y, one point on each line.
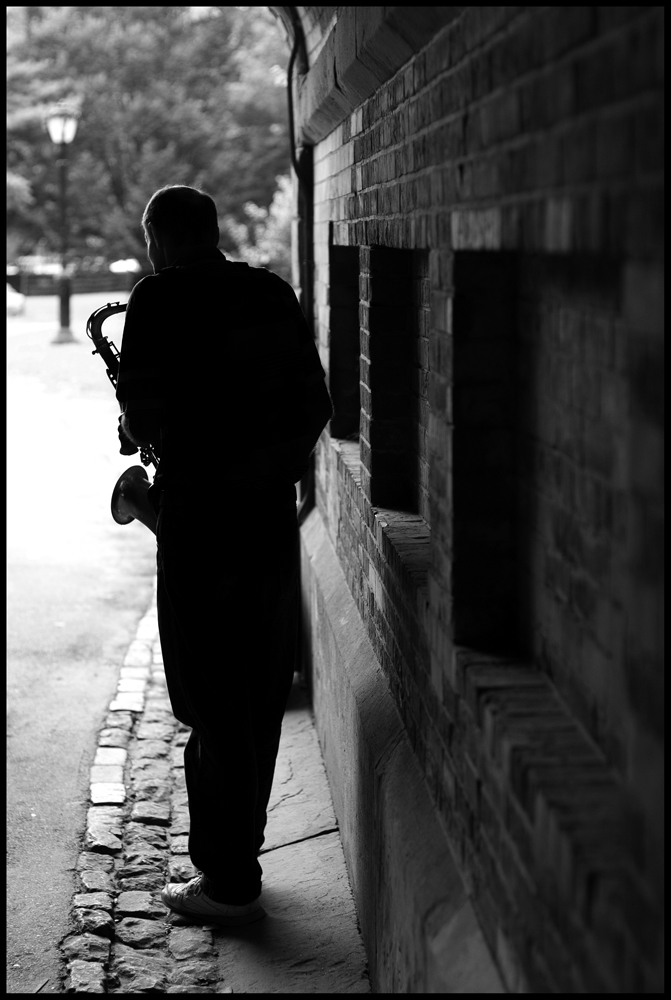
126	941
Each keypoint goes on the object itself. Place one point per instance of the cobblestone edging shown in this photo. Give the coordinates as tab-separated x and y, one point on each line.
125	940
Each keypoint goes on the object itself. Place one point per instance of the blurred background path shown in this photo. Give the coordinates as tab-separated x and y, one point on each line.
77	585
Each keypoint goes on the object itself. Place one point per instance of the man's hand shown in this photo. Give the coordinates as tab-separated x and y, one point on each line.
127	446
139	430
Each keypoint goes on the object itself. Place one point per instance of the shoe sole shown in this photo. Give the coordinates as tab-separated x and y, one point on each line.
237	920
200	918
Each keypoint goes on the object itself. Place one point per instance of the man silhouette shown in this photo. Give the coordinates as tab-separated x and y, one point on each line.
219	372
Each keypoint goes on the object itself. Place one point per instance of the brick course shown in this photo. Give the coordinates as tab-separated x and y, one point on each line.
500	176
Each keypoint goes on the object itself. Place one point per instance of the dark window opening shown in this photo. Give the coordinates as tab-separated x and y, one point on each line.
484	569
393	394
344	341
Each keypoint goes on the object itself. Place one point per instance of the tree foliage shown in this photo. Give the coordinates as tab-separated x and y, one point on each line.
168	95
264	239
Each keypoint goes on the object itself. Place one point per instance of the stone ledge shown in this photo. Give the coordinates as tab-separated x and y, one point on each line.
107	793
411	898
139	654
127	702
110	756
106	774
404	539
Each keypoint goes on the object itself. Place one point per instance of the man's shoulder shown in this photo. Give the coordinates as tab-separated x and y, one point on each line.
247	279
272	278
144	289
236	278
154	292
272	284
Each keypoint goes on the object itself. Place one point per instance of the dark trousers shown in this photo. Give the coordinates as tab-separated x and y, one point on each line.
227	615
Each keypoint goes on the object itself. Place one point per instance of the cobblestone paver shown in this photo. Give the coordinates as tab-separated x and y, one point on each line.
124	940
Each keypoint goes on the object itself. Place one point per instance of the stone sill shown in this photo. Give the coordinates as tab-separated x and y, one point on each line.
404	539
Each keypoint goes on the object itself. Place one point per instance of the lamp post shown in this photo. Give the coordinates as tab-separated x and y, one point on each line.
62	127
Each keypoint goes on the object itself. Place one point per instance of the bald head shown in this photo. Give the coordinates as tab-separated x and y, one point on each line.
183	215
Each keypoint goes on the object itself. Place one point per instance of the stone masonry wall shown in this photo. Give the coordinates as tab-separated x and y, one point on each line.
516	155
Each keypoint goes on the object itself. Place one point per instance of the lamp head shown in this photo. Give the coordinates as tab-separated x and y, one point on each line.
62	122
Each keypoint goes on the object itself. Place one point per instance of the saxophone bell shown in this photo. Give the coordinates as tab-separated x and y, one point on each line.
130	500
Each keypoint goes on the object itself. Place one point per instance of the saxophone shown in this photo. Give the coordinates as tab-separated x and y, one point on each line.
129	496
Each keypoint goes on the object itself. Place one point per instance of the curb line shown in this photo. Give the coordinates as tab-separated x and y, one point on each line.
125	939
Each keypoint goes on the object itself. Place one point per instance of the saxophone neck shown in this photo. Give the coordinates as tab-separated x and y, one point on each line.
104	347
97	318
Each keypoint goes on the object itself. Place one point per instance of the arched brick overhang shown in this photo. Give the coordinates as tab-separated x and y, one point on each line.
346	53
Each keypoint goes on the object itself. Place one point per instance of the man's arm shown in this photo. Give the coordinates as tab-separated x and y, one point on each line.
320	411
140	383
143	429
290	455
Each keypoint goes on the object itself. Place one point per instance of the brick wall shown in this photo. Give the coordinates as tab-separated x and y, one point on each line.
572	425
511	161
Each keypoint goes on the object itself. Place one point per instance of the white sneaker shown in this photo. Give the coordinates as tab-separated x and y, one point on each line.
189	899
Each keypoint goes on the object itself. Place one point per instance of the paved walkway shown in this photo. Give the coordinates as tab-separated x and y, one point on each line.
124	939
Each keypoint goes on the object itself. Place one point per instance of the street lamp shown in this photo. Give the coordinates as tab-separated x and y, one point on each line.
62	127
